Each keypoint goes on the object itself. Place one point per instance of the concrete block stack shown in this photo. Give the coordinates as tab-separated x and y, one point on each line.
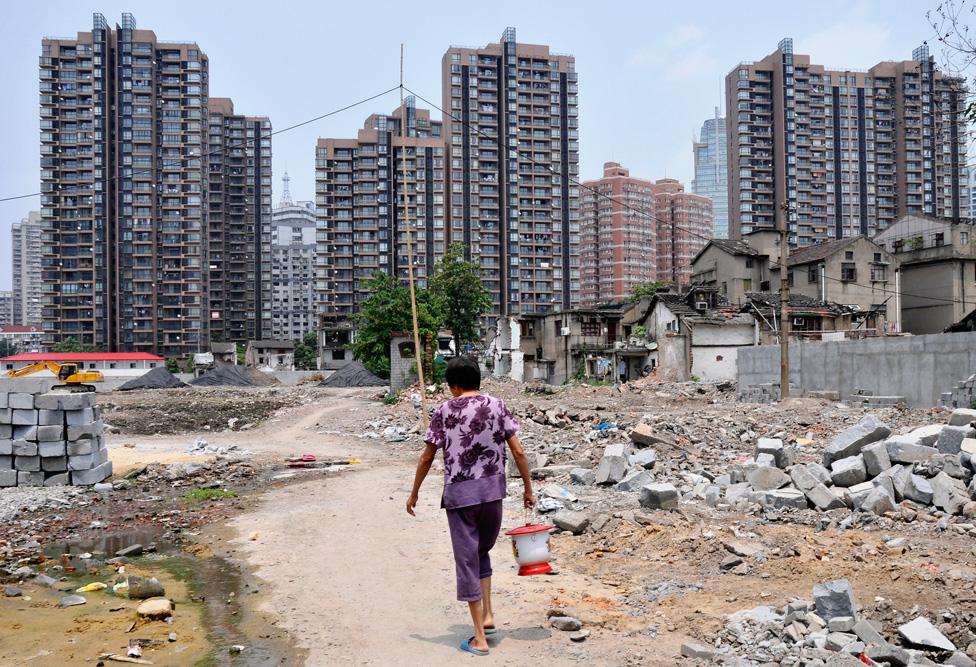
961	395
51	439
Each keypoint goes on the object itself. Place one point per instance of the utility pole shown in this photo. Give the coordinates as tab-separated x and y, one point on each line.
784	303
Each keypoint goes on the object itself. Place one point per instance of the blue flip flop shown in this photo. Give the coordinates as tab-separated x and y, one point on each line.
490	630
467	647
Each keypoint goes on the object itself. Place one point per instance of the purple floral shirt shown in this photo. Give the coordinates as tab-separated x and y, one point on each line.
473	432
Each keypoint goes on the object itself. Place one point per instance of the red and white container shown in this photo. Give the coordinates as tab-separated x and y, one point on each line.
531	548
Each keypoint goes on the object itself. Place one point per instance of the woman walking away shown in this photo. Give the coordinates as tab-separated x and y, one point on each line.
472	429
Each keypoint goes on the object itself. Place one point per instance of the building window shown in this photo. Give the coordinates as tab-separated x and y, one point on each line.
748	262
939	239
877	257
559	327
789	279
964	238
879	273
848	272
132	364
849	255
590	327
747	285
338	355
812	273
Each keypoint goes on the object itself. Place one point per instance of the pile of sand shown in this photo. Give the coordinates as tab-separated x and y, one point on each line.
228	375
353	374
157	378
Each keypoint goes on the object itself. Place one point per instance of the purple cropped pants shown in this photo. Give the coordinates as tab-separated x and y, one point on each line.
474	530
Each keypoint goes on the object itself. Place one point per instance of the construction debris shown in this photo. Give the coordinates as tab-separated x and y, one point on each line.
353	374
229	375
157	378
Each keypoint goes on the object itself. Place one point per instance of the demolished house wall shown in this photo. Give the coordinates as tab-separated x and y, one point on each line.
918	368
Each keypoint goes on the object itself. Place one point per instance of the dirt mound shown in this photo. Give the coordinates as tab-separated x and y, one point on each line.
353	374
157	378
228	375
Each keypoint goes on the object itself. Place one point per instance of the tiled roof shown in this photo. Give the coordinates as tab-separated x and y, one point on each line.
21	328
735	247
814	253
799	303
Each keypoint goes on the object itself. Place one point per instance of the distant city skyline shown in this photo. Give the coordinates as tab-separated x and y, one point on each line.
640	104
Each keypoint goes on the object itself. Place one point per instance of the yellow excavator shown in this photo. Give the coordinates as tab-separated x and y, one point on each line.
71	374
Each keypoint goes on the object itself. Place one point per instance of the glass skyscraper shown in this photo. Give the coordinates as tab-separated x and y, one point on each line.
711	171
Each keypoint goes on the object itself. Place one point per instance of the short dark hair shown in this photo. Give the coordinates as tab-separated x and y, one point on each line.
463	372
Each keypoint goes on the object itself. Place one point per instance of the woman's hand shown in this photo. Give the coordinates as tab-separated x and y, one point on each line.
411	503
529	499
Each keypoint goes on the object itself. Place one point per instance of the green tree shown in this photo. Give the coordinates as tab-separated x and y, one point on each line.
71	345
7	348
306	352
385	311
638	292
173	365
459	295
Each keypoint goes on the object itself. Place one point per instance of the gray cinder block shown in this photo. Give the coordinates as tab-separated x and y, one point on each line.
45	449
50	417
18	401
54	463
28	463
93	476
79	417
24	448
27	417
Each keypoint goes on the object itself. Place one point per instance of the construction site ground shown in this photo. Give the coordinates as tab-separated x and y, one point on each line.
323	566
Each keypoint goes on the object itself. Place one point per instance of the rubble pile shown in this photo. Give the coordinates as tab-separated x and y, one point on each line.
230	375
157	378
866	468
831	629
51	439
353	374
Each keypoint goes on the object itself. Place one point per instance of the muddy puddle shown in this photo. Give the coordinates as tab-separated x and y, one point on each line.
212	624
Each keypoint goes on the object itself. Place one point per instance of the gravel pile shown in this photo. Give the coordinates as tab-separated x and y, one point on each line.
353	374
157	378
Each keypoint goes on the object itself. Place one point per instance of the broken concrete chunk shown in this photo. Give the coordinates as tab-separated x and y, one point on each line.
921	632
583	476
767	479
879	500
659	496
852	440
783	456
802	478
613	465
574	522
893	655
948	493
634	481
697	651
71	601
951	437
848	471
902	449
786	499
155	608
962	417
834	598
645	458
565	623
960	659
876	459
823	498
644	435
867	633
919	489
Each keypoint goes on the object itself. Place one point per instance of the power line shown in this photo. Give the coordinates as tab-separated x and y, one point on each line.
652	215
218	151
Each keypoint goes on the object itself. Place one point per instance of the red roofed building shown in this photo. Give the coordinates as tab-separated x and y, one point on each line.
22	337
111	364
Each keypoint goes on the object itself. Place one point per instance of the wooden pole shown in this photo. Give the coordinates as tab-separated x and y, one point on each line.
784	305
418	351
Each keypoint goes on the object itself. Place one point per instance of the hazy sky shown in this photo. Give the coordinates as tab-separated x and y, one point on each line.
649	72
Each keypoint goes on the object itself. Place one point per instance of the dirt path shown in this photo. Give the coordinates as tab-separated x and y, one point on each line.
353	578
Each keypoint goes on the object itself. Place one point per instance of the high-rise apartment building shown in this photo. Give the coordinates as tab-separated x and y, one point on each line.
362	218
617	235
125	180
513	164
239	224
25	244
123	177
6	307
712	171
684	226
293	310
843	152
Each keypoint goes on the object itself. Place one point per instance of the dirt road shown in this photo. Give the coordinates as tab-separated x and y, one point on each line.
354	579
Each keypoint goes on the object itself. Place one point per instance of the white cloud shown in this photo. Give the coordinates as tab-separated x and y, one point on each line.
680	54
859	44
